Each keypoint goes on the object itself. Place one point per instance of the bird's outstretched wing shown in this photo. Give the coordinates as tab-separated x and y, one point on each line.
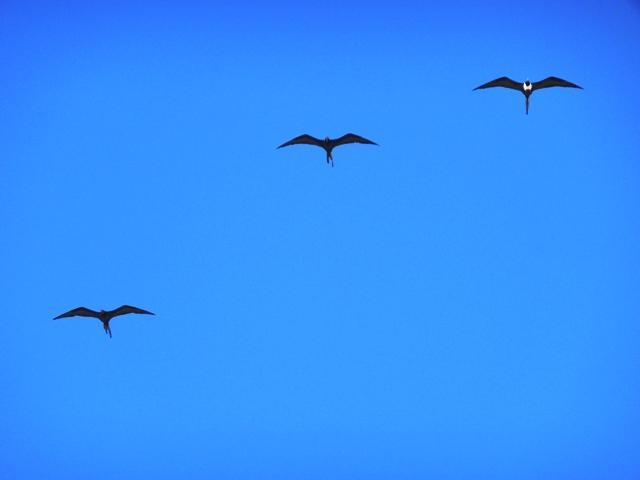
79	312
351	138
505	82
303	139
124	309
553	82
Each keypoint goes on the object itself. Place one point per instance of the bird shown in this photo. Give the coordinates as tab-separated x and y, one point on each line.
527	88
328	143
104	316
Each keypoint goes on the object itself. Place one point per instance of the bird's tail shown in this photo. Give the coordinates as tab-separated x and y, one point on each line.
527	105
330	158
107	329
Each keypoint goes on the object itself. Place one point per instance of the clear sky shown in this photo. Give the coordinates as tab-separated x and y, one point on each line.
460	302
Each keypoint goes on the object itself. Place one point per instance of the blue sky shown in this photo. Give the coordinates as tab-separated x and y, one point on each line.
459	302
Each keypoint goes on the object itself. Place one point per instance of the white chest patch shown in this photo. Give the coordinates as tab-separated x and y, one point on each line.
527	88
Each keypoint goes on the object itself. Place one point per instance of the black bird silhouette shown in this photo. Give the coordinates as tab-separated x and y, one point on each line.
104	316
527	88
328	143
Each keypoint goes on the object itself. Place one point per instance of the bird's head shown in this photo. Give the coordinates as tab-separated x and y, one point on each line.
527	83
326	139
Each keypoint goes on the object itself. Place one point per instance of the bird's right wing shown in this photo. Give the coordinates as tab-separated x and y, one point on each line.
303	139
554	82
124	309
505	82
79	312
352	138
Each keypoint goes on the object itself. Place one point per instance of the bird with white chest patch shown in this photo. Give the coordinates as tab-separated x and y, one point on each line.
527	88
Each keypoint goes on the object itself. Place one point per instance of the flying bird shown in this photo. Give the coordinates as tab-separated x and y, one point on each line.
328	143
104	316
527	88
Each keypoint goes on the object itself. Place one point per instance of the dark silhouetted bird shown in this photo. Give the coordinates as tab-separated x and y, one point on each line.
328	144
104	316
527	88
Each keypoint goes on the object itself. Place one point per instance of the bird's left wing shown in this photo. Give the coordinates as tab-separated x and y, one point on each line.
302	139
124	309
352	138
553	82
505	82
79	312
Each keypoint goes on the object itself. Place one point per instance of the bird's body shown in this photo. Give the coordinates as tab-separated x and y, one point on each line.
327	144
104	316
527	87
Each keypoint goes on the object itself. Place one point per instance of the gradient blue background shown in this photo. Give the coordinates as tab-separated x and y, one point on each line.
458	303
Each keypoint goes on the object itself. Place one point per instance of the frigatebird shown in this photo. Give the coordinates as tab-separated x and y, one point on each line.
527	88
104	316
328	143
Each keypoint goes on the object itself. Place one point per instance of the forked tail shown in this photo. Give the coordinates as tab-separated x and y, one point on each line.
330	157
527	105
